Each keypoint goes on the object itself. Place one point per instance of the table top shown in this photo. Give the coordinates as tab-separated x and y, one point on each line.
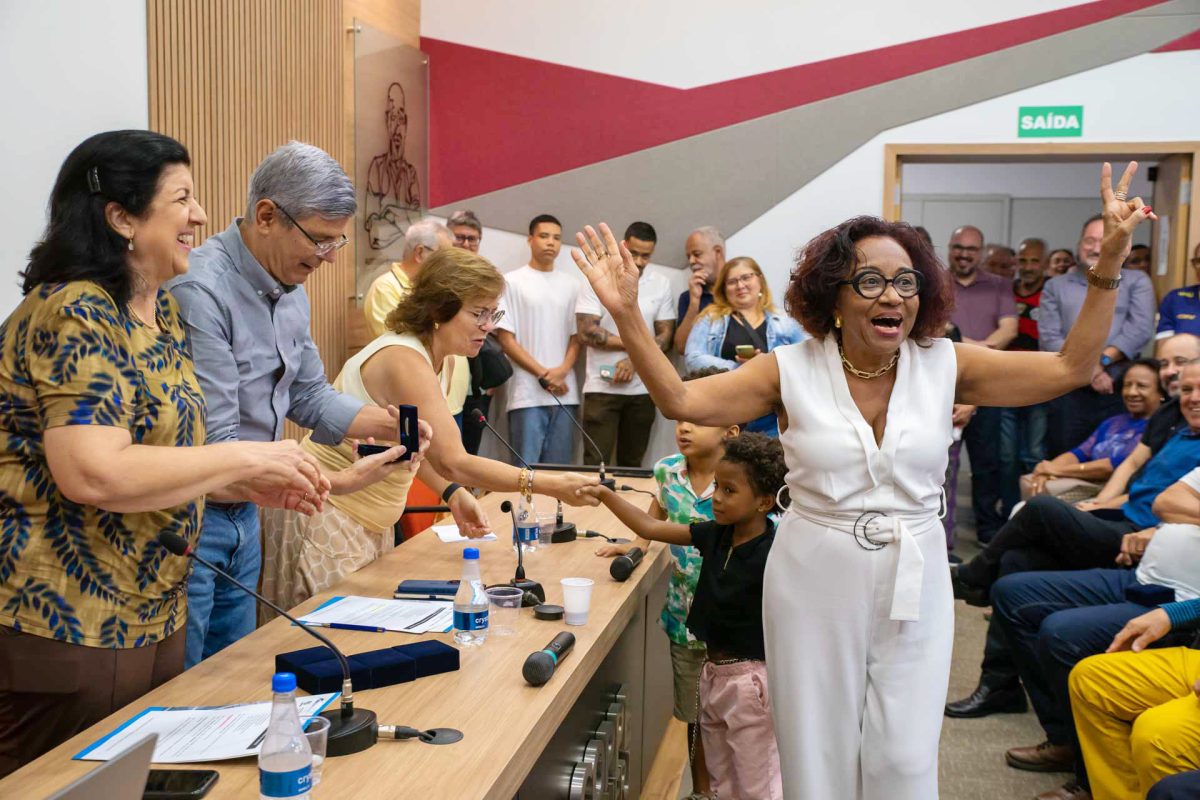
506	723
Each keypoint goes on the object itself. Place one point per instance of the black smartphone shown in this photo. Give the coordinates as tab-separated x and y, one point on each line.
410	436
179	784
365	450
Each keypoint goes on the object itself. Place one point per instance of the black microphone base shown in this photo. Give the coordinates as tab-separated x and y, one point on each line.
564	532
527	585
351	734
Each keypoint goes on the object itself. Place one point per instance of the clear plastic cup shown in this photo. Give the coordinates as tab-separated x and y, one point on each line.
505	602
546	522
577	599
316	730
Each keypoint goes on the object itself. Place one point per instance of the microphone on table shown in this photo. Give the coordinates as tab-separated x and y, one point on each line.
351	729
563	531
519	580
539	667
604	481
623	565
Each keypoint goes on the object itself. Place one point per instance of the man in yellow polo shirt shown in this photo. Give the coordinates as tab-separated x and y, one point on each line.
422	238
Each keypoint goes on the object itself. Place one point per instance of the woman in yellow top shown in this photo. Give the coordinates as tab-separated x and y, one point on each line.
449	310
100	421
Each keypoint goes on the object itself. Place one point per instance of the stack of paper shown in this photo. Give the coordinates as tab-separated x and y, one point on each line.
450	535
402	616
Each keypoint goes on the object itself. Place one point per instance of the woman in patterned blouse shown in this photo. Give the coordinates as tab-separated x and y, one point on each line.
100	421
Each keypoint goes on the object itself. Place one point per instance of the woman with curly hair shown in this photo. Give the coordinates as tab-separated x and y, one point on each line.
857	607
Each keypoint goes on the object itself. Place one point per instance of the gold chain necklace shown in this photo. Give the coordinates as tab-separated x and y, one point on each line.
853	370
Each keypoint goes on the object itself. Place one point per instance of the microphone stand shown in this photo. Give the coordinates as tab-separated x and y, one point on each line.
604	481
351	730
519	580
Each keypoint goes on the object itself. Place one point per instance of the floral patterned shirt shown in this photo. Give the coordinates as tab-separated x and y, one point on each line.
76	573
679	500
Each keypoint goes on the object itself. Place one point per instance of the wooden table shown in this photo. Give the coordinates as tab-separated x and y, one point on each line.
506	723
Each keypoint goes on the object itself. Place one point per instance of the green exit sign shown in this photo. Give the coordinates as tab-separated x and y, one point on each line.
1049	121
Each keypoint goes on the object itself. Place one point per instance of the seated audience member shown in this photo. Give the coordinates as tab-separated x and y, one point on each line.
1136	713
421	240
1059	262
741	319
450	307
1179	311
491	368
1077	413
1051	620
1000	260
1138	258
684	495
538	334
726	613
102	433
1080	472
999	689
617	409
705	253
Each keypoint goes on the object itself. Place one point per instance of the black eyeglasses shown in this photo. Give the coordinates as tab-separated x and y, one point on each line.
323	248
465	239
870	285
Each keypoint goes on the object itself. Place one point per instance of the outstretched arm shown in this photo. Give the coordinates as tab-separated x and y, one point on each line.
639	521
1009	378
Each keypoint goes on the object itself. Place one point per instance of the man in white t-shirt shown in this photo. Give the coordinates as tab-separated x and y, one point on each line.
537	334
617	409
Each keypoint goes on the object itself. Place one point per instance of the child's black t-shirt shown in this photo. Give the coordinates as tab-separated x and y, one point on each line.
727	608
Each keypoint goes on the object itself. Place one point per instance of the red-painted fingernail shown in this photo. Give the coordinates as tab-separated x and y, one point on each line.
1146	209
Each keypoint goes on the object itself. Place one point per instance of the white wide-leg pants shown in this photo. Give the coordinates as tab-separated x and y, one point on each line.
857	697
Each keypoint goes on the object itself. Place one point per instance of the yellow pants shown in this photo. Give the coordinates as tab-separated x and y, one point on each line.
1137	717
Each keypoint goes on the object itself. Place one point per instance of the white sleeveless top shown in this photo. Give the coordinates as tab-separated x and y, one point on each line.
834	465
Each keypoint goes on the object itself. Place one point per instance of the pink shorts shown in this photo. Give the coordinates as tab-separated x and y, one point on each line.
739	736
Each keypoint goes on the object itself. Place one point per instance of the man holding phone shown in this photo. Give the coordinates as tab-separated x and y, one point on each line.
617	409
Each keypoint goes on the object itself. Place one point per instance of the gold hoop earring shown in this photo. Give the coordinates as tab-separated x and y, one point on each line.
837	320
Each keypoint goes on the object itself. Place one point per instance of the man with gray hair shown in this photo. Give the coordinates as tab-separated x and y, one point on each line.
248	319
422	238
705	252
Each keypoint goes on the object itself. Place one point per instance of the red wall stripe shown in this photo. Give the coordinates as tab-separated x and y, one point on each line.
1189	42
497	120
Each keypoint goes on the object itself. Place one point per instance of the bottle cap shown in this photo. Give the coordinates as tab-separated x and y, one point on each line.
283	682
471	553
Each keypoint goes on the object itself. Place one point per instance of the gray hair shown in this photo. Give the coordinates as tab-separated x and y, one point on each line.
711	235
424	233
304	180
465	218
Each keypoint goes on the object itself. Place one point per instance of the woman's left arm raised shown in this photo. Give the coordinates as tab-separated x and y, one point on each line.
1008	378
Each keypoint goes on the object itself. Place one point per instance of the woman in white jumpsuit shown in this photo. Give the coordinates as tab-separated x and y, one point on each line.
857	602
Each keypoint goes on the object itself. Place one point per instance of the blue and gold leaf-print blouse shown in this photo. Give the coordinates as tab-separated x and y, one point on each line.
77	573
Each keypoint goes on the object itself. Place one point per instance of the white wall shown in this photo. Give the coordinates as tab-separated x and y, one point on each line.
1121	104
73	68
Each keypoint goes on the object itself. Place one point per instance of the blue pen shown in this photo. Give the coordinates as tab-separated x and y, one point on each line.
343	627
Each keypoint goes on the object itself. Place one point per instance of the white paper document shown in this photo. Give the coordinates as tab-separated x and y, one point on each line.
401	616
450	535
188	735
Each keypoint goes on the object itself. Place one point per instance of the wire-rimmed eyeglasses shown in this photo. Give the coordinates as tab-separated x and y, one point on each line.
323	248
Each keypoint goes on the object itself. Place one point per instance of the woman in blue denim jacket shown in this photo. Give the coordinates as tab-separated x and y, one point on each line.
741	315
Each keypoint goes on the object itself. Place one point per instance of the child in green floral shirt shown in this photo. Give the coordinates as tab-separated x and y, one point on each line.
685	487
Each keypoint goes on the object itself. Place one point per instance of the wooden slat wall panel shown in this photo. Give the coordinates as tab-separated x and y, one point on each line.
233	80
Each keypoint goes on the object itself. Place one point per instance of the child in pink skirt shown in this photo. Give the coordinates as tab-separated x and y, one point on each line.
726	613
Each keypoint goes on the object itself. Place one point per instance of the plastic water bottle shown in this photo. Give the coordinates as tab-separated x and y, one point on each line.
470	603
285	759
525	534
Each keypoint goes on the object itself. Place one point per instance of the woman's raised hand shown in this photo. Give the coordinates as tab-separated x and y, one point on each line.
608	267
1121	215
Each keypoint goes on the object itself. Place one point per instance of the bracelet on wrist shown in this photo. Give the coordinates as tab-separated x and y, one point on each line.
449	490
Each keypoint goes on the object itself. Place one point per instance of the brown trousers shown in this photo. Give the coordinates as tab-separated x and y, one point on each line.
621	420
52	690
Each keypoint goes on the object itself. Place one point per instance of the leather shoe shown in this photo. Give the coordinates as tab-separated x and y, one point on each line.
1068	791
972	595
987	700
1044	757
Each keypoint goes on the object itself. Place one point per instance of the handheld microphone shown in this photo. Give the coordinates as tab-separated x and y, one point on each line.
519	580
604	481
351	729
624	565
539	667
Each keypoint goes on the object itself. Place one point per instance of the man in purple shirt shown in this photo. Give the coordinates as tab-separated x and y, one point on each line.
1076	414
986	315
